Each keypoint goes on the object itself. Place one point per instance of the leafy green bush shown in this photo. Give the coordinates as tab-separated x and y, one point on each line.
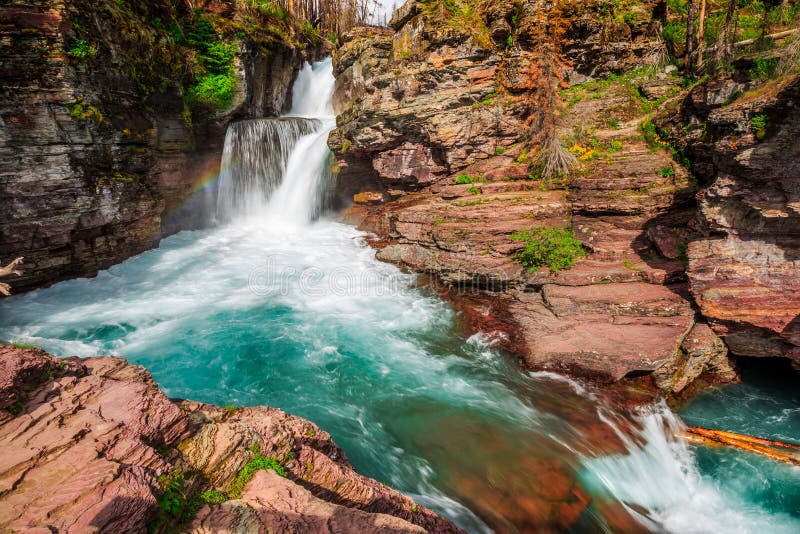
555	248
214	90
80	49
219	57
764	69
464	179
759	124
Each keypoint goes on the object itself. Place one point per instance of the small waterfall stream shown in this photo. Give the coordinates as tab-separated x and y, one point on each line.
279	168
267	308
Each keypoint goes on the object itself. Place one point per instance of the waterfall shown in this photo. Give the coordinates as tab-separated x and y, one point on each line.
279	168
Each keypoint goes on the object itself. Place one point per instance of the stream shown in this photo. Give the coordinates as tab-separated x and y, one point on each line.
276	305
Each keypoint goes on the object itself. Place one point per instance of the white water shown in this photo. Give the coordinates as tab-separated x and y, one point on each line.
270	309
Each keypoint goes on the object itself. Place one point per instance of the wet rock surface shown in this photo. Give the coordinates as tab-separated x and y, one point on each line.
88	443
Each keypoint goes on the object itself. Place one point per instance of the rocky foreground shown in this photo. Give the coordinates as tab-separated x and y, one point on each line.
93	445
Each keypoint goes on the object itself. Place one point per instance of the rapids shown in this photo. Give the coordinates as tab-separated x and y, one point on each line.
277	305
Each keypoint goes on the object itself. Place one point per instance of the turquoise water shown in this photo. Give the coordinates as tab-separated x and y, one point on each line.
766	404
304	318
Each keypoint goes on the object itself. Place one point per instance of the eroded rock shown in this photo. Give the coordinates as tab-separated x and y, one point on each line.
101	432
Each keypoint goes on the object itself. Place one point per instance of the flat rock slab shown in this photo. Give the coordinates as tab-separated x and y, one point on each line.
271	503
633	299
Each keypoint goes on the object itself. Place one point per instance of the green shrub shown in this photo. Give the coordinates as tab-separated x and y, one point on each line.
80	49
174	503
474	190
200	33
176	506
214	90
764	69
219	57
668	171
465	179
555	248
759	122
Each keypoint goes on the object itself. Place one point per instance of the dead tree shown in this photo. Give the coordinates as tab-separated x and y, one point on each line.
8	270
724	49
691	15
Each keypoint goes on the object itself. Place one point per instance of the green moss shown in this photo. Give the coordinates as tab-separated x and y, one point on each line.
555	248
630	266
80	49
83	111
213	497
23	346
249	470
683	254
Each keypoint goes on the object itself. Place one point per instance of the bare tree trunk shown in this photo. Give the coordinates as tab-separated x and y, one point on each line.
701	36
723	52
690	18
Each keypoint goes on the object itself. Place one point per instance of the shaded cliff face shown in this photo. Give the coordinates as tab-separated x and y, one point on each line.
123	458
102	152
432	142
744	269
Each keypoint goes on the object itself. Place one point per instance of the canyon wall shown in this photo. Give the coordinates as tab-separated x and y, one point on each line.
744	268
434	155
100	154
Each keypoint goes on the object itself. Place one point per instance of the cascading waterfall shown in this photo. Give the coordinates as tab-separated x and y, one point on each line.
280	167
254	161
267	309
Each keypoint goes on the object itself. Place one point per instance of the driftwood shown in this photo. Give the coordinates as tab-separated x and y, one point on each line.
746	42
781	451
8	270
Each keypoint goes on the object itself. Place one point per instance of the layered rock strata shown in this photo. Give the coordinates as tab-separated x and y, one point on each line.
743	271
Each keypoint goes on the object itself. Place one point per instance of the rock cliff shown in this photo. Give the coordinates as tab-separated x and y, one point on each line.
103	150
431	141
742	138
94	446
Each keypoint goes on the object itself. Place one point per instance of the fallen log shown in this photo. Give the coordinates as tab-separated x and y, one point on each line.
780	451
746	42
9	269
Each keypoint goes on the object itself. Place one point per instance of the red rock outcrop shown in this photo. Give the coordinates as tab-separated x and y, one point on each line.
89	443
743	271
430	135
